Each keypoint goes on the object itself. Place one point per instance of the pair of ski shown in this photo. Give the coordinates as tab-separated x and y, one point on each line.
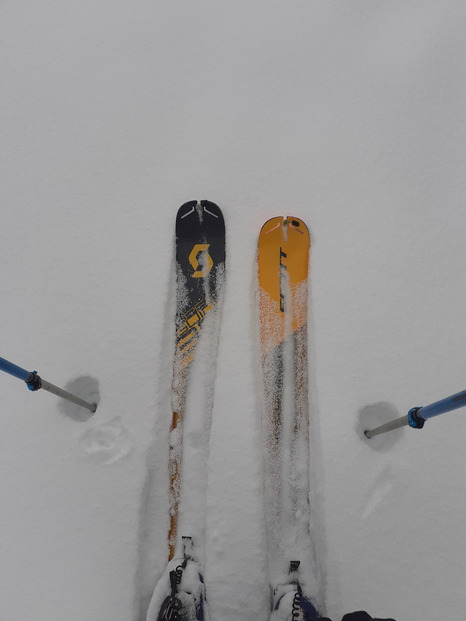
283	257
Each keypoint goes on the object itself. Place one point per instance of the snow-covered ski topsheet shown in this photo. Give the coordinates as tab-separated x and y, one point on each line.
200	280
283	260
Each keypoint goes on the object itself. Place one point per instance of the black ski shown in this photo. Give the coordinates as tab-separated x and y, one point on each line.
200	276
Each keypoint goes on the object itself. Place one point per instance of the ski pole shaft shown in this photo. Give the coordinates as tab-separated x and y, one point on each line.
14	370
64	394
448	404
393	424
416	417
34	382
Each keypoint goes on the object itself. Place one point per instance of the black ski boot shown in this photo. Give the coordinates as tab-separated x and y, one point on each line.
186	601
290	603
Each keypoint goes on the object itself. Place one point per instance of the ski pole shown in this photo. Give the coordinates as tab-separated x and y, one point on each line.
34	382
416	417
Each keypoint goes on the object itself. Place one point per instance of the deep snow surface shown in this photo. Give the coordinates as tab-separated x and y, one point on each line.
349	115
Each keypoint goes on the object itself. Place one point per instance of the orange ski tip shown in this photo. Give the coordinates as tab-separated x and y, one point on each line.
288	221
273	228
297	224
296	228
271	225
283	264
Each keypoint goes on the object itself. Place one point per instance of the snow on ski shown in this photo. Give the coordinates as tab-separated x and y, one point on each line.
283	259
200	277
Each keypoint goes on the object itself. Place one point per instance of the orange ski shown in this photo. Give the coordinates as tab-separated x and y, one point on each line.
283	260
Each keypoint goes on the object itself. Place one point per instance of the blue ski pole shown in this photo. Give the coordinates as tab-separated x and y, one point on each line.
34	382
416	417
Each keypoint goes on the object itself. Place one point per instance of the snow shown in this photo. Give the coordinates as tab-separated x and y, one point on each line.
347	115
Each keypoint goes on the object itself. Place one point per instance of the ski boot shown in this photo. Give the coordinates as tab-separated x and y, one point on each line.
290	604
186	601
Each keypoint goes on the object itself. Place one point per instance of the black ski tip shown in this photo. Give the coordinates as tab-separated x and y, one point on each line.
186	209
202	209
210	207
201	222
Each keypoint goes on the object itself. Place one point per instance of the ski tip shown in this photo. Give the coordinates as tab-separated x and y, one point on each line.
270	225
201	209
296	224
186	209
286	223
211	210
